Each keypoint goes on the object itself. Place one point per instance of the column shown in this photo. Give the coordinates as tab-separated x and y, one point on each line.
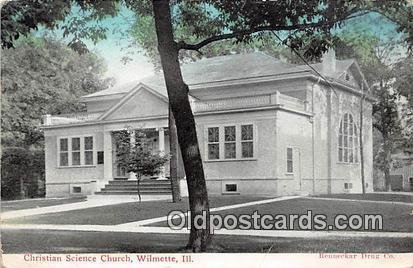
161	146
161	133
132	175
107	160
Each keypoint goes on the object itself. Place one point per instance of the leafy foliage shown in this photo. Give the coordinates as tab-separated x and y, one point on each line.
41	76
22	168
19	17
138	157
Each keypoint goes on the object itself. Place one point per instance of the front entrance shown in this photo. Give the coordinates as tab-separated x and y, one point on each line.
155	140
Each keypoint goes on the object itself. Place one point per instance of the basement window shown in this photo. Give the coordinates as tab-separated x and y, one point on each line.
231	188
77	189
348	186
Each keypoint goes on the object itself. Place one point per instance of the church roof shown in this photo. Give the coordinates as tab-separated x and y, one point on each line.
225	68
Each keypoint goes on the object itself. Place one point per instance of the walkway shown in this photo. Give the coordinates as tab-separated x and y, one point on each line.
92	201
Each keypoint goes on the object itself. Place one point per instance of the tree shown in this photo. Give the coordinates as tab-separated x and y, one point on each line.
213	21
42	76
137	157
39	76
373	56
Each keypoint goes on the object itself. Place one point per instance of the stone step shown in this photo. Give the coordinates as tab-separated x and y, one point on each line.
132	187
142	182
103	192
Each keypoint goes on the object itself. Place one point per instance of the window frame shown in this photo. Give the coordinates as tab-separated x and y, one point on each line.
348	140
81	151
238	142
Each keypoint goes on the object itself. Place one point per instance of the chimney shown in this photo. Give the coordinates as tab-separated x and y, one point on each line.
329	62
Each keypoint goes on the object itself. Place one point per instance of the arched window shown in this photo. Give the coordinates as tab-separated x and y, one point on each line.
348	141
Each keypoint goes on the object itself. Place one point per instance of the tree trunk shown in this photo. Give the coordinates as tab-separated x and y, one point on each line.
387	162
173	162
185	124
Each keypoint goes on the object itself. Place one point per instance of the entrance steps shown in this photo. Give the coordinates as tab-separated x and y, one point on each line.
130	187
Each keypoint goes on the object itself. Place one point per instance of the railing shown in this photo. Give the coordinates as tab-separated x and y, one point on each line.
62	119
249	102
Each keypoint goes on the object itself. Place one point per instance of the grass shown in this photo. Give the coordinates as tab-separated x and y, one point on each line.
126	212
40	241
395	217
35	203
394	197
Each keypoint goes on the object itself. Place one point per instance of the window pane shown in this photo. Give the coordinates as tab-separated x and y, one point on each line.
230	151
89	158
88	143
345	128
246	132
63	145
289	166
340	155
345	141
290	153
230	133
247	149
64	161
75	158
213	134
350	130
75	144
356	158
340	140
345	155
213	151
350	156
341	128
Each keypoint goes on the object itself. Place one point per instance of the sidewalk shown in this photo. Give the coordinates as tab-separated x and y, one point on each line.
92	201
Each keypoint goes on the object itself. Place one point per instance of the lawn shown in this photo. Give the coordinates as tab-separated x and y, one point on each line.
35	203
40	241
126	212
393	197
395	217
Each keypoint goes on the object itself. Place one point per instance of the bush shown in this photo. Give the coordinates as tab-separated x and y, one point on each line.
22	173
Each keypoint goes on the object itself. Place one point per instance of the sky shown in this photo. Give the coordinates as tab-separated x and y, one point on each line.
117	44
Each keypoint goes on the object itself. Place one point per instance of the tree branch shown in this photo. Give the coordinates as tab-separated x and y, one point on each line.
242	33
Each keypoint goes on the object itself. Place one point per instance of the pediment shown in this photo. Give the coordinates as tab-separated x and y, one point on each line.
140	103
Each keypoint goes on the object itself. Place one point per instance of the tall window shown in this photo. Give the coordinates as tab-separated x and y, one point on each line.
290	165
247	141
230	142
348	140
76	151
64	153
88	150
213	143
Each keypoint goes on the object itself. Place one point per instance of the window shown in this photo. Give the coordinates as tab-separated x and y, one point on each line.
100	157
230	142
76	189
230	187
76	151
247	141
88	150
237	142
348	140
213	143
348	186
290	166
64	153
